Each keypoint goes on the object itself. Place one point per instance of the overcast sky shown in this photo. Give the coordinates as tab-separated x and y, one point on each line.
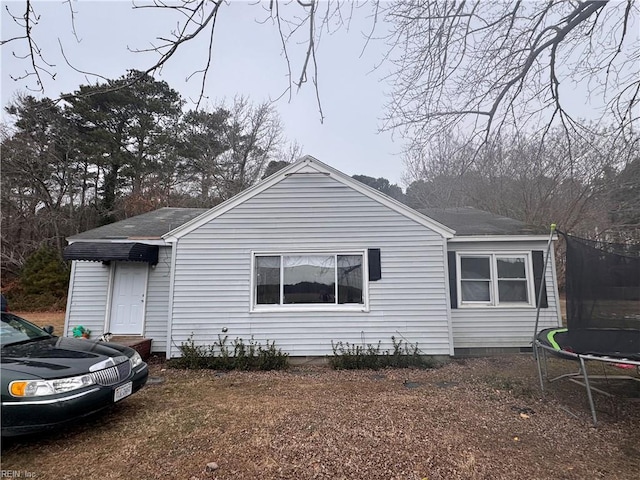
247	60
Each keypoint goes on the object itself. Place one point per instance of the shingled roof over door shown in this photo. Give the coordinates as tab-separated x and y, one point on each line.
150	225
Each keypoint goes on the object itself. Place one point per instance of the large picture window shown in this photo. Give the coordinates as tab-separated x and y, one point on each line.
494	279
309	279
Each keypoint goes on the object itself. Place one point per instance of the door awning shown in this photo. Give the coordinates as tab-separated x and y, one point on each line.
106	252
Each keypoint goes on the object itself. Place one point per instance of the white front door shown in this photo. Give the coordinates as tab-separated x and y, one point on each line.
127	299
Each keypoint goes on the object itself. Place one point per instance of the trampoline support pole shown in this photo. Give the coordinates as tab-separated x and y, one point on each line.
585	375
539	299
537	357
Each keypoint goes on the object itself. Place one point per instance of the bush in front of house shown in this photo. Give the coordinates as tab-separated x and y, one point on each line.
235	356
348	356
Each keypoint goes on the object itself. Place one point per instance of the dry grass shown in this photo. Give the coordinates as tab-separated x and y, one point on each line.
45	318
473	419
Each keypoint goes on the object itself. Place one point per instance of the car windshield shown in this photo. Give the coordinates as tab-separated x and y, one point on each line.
14	329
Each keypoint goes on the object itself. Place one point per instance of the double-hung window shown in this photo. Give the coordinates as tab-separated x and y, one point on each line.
331	280
495	279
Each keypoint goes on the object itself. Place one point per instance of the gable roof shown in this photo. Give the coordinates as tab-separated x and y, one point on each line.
309	165
150	225
168	222
467	221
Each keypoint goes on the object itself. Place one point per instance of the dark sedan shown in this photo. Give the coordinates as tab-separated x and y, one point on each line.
48	381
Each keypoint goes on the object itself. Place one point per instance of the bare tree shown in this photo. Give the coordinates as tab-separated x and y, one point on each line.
485	67
477	66
194	19
40	177
253	137
228	149
300	24
537	182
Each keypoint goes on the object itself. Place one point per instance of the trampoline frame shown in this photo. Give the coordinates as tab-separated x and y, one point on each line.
581	377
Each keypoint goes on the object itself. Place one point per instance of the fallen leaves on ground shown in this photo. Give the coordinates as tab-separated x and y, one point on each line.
474	419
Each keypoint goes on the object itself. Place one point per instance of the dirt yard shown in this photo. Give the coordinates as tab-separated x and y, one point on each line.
471	419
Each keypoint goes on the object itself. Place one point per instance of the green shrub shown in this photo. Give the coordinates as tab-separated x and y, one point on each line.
42	283
271	358
193	356
238	356
351	357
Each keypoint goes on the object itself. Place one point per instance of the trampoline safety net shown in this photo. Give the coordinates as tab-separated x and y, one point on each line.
603	293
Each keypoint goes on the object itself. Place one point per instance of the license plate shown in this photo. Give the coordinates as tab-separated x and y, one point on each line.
122	391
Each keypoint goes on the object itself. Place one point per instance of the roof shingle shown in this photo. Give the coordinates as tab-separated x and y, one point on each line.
471	221
465	221
150	225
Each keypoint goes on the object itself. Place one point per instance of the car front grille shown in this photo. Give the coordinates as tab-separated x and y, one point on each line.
112	375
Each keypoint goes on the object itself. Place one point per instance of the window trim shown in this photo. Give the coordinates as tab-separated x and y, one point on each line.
494	299
310	307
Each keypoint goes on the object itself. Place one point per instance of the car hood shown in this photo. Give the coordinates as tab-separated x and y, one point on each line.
57	357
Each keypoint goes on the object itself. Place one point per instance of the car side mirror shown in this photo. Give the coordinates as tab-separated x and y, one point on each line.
48	329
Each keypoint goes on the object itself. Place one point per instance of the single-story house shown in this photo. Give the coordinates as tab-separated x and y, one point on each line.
309	256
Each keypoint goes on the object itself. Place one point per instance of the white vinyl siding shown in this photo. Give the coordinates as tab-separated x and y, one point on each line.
504	326
157	307
88	297
311	212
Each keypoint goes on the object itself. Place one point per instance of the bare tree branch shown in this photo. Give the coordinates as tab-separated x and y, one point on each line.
474	65
481	67
198	18
38	64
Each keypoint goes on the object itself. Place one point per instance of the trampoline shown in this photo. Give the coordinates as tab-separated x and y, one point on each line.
603	314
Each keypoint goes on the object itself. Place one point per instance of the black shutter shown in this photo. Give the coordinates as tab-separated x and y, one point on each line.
453	281
538	278
375	271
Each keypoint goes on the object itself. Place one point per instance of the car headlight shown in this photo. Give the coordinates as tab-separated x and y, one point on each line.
135	360
38	388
